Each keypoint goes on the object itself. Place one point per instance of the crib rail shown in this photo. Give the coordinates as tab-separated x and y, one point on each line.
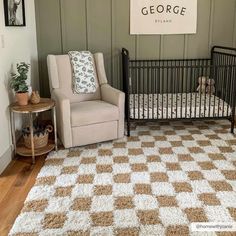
167	89
226	56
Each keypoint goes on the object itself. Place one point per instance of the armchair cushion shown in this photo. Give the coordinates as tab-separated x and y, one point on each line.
93	112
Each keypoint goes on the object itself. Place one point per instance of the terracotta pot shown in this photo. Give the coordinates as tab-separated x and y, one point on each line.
22	98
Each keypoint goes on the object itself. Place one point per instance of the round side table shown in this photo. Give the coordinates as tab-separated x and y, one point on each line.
45	104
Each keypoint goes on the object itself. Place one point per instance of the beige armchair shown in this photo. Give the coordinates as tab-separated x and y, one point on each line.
85	118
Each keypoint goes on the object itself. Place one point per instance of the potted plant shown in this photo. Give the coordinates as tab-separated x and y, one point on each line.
19	85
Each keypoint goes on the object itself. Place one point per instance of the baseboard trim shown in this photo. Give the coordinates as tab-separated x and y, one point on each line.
5	159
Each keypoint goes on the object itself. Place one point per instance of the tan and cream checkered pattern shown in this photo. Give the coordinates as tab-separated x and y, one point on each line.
156	182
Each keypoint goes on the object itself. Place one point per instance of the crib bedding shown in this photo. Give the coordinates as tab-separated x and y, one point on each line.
179	105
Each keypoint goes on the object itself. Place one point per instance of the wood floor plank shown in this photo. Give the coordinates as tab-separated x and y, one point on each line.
15	184
8	178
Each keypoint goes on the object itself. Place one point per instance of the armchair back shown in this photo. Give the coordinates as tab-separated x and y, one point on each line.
60	77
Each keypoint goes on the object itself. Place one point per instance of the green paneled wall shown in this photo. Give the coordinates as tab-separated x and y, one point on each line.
103	25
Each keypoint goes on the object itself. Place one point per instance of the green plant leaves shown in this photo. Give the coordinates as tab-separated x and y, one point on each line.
18	81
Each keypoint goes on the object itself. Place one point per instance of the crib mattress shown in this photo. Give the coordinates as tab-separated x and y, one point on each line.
175	106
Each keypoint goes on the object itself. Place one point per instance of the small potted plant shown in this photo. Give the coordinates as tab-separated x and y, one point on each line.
19	85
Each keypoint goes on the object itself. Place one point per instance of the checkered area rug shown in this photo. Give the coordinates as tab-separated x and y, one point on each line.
156	182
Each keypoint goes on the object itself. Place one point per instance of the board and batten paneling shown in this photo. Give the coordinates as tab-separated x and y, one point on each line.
74	36
103	26
49	38
197	45
120	38
99	32
223	22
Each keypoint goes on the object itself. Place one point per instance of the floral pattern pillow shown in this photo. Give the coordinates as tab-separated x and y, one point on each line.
83	72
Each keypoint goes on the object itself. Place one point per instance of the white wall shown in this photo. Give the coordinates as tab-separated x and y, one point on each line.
19	45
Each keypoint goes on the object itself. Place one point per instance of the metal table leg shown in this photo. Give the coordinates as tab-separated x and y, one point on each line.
13	131
32	137
55	127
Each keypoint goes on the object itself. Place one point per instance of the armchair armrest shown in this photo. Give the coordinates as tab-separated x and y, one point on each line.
112	95
63	117
117	98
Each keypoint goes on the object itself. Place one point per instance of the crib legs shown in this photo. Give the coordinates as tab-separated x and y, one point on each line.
128	128
232	125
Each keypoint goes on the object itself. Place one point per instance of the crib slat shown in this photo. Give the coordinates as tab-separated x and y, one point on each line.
226	71
136	106
132	91
201	87
182	90
223	84
186	91
142	91
228	89
152	88
138	91
177	101
172	89
147	88
196	75
159	86
167	91
210	97
205	95
190	85
215	76
220	78
162	84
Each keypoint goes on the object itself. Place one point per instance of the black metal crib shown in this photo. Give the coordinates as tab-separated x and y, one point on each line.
167	89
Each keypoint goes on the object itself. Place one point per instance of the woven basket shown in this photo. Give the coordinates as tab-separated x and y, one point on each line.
40	137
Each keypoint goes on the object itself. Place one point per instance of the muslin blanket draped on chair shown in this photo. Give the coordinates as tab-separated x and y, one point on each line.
83	72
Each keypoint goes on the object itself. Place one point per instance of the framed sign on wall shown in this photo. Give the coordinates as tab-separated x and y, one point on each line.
163	16
14	12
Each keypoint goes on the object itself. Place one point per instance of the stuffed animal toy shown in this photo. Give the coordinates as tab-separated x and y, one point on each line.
210	89
202	81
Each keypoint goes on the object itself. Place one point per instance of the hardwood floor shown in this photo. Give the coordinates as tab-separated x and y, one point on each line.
15	183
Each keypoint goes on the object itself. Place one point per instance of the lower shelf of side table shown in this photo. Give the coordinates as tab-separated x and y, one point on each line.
24	151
